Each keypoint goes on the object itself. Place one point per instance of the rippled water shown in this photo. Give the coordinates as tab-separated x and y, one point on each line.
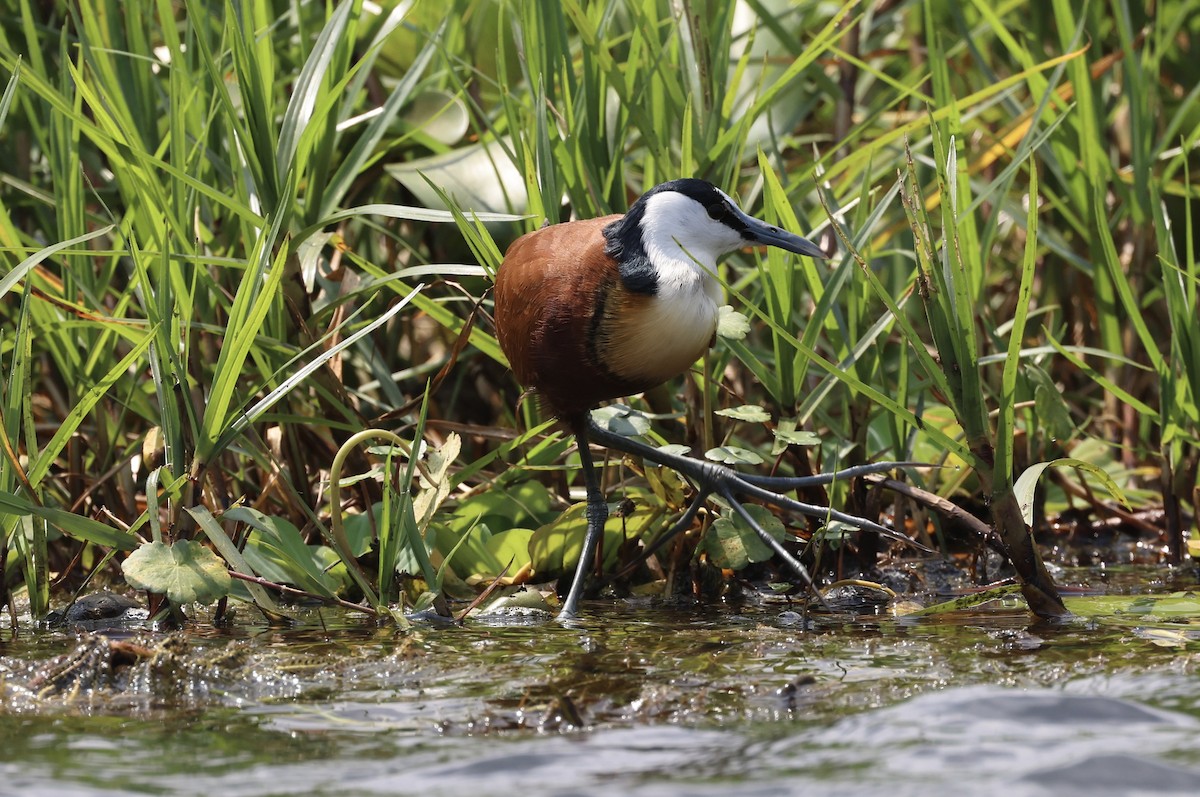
638	700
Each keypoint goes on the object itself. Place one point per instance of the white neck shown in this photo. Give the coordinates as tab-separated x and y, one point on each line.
671	218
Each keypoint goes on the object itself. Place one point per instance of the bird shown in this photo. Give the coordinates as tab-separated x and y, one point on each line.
592	310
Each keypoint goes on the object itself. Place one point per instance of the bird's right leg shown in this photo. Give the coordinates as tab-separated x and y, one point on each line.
597	515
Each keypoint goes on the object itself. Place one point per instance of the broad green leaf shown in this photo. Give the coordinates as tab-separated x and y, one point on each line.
622	420
185	571
277	552
511	546
732	544
220	540
555	547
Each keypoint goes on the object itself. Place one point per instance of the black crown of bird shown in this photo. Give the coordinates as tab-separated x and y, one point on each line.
598	309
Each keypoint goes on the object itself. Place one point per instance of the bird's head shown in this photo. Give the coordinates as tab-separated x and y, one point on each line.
698	217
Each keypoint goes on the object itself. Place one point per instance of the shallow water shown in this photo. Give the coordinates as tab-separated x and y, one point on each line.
639	699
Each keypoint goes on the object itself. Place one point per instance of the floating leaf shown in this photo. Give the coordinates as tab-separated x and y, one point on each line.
185	571
733	455
732	544
732	324
750	413
1138	608
676	449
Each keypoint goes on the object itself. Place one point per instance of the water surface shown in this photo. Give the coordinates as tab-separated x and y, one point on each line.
638	699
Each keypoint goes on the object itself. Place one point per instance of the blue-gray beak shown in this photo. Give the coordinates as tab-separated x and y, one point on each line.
763	233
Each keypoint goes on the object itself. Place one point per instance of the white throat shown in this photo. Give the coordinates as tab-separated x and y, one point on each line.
683	245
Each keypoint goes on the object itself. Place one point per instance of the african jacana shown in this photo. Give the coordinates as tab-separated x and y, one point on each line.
598	309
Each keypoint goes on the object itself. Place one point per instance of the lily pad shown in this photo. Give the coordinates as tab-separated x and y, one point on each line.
185	571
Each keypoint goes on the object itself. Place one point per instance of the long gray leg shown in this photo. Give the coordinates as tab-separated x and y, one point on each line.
597	514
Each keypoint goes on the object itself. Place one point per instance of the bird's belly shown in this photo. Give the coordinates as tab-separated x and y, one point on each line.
663	337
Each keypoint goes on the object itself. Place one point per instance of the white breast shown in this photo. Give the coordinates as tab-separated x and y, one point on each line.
672	333
682	244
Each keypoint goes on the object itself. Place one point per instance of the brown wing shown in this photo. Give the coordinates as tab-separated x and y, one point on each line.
549	289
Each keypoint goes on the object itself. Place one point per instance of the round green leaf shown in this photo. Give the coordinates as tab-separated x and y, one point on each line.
733	455
185	571
732	544
623	420
797	437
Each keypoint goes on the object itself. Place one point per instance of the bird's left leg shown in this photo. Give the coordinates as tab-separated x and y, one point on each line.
597	515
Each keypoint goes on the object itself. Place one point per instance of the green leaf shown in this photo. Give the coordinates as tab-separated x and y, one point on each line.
25	266
623	420
731	324
75	526
733	455
797	437
1137	608
555	547
186	572
220	540
277	552
1027	483
511	546
732	544
750	413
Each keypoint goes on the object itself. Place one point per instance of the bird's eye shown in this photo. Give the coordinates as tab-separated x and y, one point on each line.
716	211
